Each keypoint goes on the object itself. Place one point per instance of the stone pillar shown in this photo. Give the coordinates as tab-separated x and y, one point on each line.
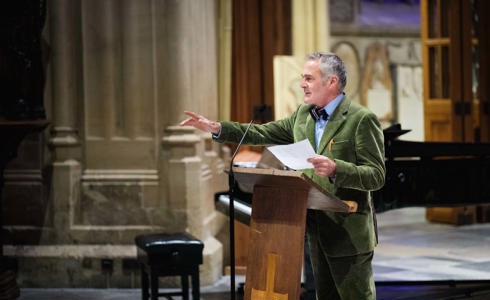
65	142
64	42
187	74
123	72
137	76
186	57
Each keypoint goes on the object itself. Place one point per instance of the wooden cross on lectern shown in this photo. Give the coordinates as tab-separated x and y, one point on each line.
269	293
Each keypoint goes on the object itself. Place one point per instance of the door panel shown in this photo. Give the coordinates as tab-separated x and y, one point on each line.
483	71
449	48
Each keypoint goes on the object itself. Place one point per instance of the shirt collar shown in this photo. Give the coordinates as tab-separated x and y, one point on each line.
332	105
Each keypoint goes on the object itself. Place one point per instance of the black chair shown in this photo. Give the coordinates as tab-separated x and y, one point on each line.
163	254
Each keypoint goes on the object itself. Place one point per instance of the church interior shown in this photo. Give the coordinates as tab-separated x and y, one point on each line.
92	155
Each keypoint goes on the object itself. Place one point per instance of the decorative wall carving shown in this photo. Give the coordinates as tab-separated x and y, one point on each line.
377	84
349	54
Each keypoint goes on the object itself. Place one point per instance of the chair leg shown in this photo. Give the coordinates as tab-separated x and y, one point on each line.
196	293
144	284
184	284
154	284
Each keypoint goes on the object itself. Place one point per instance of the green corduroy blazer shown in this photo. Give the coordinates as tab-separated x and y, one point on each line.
353	138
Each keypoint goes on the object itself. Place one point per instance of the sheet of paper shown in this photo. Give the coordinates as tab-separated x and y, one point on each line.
294	156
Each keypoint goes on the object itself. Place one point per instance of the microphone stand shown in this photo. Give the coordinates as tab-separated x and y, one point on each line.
232	188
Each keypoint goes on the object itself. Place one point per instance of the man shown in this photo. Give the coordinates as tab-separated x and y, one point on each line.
349	163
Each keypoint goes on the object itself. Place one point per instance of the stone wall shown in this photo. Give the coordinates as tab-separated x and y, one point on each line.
113	163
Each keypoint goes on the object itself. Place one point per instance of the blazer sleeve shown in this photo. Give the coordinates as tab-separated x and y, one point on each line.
272	133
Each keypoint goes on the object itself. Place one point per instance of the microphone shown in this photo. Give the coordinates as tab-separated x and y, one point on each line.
232	187
240	144
258	110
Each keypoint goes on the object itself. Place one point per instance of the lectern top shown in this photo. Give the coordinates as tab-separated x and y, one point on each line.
318	197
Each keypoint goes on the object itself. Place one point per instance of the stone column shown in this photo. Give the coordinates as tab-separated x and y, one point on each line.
186	75
137	72
65	45
186	57
65	143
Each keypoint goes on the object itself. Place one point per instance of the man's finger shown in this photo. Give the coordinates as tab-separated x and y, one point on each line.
184	123
192	114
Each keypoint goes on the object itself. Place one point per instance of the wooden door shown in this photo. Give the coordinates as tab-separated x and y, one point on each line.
483	31
450	59
456	71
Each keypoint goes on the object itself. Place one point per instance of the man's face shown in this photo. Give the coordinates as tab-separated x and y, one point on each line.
316	89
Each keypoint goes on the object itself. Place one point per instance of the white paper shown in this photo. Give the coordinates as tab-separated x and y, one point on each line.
294	156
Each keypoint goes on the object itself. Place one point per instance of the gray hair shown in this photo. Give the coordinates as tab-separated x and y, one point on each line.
330	64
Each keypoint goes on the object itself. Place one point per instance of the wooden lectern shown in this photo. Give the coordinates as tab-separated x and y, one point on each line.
277	228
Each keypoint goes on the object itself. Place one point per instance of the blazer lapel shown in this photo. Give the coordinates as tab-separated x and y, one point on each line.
310	130
334	123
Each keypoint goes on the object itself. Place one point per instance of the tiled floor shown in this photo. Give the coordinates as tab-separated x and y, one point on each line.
415	259
218	291
410	248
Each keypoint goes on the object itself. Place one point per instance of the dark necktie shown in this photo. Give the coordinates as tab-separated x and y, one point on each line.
318	113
